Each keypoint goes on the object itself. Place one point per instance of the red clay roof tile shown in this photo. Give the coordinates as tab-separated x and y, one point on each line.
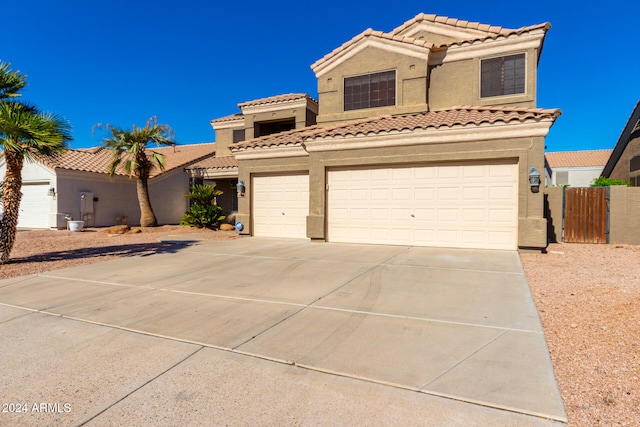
98	159
457	116
277	100
575	159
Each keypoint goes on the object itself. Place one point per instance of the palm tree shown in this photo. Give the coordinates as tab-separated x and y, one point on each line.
129	149
11	82
25	133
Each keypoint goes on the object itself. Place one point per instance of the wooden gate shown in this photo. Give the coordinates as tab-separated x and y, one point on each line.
586	215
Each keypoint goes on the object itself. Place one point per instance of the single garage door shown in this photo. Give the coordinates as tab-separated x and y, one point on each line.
452	205
280	205
35	206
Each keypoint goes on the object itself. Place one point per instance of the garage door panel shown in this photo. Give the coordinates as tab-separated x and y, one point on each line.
35	206
281	205
464	205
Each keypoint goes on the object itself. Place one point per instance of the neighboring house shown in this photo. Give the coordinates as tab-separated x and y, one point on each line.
425	136
257	118
624	163
574	168
77	184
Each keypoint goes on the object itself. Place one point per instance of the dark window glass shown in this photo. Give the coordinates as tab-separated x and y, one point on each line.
370	90
267	128
634	164
238	135
502	76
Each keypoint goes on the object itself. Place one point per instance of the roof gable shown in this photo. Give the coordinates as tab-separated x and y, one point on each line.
437	28
369	38
630	131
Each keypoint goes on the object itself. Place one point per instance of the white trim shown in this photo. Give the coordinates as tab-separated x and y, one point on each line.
209	173
393	46
268	153
237	123
483	132
485	48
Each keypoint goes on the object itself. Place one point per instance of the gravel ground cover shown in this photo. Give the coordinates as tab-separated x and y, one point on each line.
588	297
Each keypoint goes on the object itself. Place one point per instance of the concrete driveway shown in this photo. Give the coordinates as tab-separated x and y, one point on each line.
278	332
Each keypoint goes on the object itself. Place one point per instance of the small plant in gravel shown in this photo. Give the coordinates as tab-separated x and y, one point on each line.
204	212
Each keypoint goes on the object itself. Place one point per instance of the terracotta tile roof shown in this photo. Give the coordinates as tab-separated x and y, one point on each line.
224	162
98	159
369	33
503	34
456	116
230	118
450	21
277	100
282	139
576	159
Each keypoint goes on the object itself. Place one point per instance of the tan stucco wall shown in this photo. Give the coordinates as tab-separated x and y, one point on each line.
624	221
458	83
621	170
411	84
526	152
250	168
224	137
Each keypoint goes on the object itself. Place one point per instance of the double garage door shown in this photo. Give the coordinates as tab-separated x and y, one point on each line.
453	205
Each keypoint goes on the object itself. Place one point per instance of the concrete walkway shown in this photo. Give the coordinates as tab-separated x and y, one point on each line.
278	332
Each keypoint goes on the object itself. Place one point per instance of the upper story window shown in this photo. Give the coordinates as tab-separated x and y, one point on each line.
502	76
238	135
268	128
370	90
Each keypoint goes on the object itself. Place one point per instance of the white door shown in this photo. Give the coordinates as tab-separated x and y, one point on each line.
35	206
280	205
453	205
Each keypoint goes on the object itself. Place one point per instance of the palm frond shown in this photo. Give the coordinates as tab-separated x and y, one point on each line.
27	132
11	82
131	145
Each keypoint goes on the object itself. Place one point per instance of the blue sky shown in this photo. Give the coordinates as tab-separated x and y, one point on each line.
123	61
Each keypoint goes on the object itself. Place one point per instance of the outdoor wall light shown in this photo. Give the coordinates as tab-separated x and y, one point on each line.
52	192
241	188
534	180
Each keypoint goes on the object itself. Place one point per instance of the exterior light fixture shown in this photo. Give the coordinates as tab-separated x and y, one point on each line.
534	180
241	188
51	192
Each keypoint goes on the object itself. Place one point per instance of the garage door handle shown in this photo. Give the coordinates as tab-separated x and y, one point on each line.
413	216
282	213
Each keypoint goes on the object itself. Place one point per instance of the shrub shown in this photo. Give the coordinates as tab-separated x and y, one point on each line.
607	182
202	216
204	213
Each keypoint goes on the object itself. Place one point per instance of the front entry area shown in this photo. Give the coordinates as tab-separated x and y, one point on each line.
463	205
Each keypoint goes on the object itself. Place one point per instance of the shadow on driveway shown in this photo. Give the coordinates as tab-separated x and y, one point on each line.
137	249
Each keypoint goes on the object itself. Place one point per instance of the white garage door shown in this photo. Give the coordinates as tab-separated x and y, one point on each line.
35	206
280	205
456	205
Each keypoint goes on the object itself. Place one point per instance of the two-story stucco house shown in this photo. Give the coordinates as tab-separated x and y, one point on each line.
425	135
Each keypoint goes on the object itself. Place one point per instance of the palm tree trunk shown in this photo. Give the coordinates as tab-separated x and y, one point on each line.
147	217
11	197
